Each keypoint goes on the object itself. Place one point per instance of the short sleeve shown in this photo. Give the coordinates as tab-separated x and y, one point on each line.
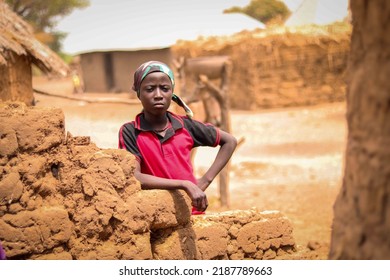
203	134
128	139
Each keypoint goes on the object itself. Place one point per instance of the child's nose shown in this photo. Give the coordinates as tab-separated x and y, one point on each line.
158	93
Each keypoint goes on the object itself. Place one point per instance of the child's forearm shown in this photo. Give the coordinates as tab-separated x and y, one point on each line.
153	182
198	197
224	154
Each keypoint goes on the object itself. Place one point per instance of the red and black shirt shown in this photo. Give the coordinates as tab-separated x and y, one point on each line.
168	156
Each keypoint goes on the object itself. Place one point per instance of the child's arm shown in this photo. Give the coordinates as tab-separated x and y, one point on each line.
198	197
228	144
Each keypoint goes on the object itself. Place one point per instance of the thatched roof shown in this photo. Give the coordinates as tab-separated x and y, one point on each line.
17	36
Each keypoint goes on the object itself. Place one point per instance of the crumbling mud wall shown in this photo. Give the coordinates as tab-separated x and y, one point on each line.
61	197
281	67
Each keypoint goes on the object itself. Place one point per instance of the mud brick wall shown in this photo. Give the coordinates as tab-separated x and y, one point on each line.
62	197
279	68
233	235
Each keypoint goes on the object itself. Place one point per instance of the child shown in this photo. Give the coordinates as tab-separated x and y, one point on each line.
162	141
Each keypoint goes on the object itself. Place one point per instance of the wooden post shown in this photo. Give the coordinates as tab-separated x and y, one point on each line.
221	95
205	91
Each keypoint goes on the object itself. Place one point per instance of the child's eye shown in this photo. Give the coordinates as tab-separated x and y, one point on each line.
165	88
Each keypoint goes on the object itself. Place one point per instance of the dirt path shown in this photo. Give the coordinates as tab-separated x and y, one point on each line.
291	160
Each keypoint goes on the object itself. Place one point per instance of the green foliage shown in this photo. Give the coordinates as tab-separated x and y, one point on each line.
263	10
66	57
43	15
56	43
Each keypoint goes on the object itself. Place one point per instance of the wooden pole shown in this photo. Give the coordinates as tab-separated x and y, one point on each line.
89	100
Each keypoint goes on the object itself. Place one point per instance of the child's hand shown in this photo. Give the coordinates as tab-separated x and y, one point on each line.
198	197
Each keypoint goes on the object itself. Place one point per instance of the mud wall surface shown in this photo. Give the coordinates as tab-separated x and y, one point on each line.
62	197
111	71
16	79
282	67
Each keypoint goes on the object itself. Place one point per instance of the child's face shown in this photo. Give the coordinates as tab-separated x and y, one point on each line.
156	93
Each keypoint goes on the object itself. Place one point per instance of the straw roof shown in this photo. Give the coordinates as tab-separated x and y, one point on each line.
17	36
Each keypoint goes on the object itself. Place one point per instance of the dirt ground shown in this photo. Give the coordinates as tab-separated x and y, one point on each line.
292	159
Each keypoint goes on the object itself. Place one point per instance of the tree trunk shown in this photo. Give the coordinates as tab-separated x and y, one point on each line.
361	226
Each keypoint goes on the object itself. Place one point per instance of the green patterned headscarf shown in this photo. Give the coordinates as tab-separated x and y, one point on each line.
157	66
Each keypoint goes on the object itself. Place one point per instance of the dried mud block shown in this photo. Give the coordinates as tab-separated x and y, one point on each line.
78	140
125	160
250	234
36	130
11	188
33	167
136	248
79	149
34	232
8	139
108	170
164	209
175	244
211	240
103	175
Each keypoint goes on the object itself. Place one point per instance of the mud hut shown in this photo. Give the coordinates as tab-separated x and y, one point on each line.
109	70
110	50
19	50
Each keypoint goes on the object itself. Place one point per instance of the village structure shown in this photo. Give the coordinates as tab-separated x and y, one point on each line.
19	52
